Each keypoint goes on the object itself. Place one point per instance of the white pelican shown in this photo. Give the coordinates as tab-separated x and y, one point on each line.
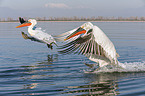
36	33
92	42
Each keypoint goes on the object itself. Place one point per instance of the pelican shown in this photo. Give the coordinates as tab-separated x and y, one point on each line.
91	41
36	33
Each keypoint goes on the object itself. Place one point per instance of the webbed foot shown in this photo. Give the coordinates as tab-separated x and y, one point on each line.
50	46
90	65
25	36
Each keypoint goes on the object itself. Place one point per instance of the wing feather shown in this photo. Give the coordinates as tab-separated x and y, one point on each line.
95	44
67	45
80	49
85	51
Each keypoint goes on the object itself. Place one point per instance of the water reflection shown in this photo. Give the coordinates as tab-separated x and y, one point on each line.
103	84
50	59
38	71
30	86
105	88
98	84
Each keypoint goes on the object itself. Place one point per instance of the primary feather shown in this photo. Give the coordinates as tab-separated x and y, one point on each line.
94	44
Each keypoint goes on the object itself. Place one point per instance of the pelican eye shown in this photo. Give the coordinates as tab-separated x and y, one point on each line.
82	27
90	31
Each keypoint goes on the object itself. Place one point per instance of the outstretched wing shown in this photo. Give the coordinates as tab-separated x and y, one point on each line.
90	45
83	45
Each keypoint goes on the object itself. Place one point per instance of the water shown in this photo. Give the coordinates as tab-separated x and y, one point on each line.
30	68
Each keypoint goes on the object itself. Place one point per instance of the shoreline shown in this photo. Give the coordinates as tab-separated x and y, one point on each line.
70	21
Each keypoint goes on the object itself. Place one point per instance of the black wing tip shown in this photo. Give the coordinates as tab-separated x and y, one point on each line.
21	20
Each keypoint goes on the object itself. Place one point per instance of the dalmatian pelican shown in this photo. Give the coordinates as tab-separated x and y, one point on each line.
91	41
36	33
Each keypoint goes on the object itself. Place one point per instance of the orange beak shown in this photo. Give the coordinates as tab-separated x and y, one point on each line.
24	24
77	32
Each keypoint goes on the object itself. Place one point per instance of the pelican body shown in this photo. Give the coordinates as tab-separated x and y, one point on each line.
91	41
36	33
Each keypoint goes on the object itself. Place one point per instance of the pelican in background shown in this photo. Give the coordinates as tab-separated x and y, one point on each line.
36	33
91	41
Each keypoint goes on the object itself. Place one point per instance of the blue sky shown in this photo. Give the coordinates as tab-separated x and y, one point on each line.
70	8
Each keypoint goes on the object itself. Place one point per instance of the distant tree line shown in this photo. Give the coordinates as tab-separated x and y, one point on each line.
75	18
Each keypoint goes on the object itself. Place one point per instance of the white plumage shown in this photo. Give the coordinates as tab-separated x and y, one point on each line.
92	42
39	34
36	33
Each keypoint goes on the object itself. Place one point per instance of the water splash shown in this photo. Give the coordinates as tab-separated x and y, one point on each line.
124	67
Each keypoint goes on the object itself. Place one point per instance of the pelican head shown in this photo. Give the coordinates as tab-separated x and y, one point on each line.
83	29
30	22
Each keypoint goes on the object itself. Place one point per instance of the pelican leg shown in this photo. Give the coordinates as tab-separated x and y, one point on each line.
94	67
50	46
98	69
25	36
90	65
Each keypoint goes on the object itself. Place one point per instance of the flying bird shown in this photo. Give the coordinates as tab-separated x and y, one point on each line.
36	34
91	41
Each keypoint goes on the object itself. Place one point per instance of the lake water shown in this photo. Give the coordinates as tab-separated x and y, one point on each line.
30	68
